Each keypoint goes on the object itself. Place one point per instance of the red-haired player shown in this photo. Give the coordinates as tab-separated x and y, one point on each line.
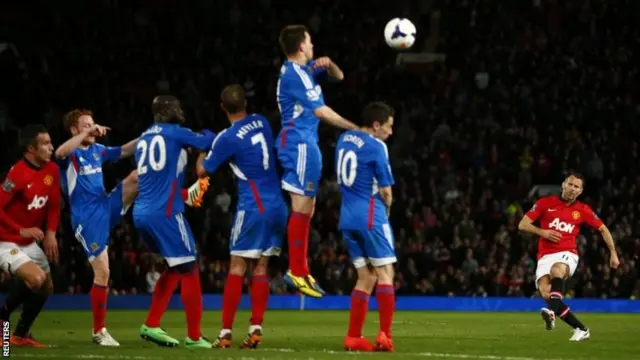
560	220
29	199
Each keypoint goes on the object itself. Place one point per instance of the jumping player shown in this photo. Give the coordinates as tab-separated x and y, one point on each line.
301	105
364	175
158	217
29	198
94	212
560	220
261	216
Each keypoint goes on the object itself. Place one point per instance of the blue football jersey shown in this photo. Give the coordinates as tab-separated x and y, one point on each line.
298	96
362	166
248	146
81	177
162	158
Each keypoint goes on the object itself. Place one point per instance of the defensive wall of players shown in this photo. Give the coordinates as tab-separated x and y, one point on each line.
404	303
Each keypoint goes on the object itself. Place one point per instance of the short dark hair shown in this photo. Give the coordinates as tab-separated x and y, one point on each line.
233	99
576	175
166	108
291	36
71	118
29	135
376	111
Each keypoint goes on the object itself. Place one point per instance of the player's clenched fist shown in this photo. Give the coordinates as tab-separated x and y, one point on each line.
614	262
551	235
323	62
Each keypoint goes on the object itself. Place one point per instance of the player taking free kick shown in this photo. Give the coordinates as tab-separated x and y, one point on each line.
560	220
301	105
261	216
158	215
29	198
364	175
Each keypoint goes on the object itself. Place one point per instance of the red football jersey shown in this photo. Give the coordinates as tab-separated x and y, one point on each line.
29	197
564	218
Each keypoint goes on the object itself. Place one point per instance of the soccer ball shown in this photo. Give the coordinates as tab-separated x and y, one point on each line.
400	33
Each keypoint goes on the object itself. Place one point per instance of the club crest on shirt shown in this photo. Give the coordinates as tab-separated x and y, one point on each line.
48	180
575	215
8	185
96	156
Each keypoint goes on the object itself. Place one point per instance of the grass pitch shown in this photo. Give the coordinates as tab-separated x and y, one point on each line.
320	334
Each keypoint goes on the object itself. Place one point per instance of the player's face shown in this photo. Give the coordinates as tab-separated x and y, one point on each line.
571	188
84	122
385	130
43	148
307	47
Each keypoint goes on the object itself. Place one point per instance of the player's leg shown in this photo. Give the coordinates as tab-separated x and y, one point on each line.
129	190
34	300
259	293
354	341
302	167
30	279
381	253
551	274
162	292
231	299
93	234
174	241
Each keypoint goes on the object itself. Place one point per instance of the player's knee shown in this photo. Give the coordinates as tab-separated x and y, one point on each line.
368	279
100	272
302	204
385	274
259	269
238	266
35	280
47	288
558	271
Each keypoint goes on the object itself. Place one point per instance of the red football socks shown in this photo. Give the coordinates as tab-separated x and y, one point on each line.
162	292
98	295
358	314
191	294
231	300
298	239
385	294
259	298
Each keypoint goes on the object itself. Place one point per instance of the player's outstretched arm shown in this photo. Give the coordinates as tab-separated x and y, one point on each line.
128	149
68	146
608	239
328	115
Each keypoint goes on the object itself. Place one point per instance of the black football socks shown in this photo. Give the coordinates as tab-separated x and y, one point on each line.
559	307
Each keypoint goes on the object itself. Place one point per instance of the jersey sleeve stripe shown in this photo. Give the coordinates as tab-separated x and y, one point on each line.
72	175
304	77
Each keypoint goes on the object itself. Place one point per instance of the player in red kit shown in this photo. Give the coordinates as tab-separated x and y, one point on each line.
29	199
560	220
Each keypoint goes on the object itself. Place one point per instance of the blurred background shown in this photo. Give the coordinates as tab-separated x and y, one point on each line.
496	102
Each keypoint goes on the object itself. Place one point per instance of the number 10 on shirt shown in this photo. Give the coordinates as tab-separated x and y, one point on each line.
347	167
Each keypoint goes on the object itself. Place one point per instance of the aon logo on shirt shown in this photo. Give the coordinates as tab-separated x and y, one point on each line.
38	202
561	226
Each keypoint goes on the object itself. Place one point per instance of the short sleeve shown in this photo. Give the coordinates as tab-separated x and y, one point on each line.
384	175
109	153
591	218
536	210
221	150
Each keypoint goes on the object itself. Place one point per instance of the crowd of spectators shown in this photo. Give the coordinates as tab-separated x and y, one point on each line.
529	90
